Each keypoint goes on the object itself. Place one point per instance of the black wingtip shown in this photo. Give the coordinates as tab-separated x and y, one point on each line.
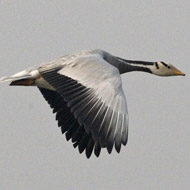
124	139
83	143
89	148
97	149
75	144
118	148
110	148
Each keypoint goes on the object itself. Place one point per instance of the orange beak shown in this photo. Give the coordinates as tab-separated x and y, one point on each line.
178	72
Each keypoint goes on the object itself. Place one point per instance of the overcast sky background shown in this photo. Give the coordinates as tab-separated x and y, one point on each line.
33	152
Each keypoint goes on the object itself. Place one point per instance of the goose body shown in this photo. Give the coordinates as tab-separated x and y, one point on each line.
85	91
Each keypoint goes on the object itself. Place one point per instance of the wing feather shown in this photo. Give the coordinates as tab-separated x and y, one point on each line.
69	125
89	148
92	90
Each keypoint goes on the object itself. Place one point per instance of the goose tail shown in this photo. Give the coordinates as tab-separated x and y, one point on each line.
22	78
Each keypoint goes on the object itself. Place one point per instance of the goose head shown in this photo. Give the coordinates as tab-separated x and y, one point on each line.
165	69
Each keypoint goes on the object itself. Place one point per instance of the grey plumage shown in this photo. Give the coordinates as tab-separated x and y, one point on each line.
89	110
85	92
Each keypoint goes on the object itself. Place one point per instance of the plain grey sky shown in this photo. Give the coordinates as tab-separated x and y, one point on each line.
33	152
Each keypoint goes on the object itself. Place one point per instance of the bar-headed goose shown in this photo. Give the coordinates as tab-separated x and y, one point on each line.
85	91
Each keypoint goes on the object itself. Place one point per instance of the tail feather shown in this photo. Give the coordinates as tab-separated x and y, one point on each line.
13	78
20	76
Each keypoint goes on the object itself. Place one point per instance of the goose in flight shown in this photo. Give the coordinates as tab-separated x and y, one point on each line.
85	91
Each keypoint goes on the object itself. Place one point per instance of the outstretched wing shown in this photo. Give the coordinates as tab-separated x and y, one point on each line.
69	125
92	89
